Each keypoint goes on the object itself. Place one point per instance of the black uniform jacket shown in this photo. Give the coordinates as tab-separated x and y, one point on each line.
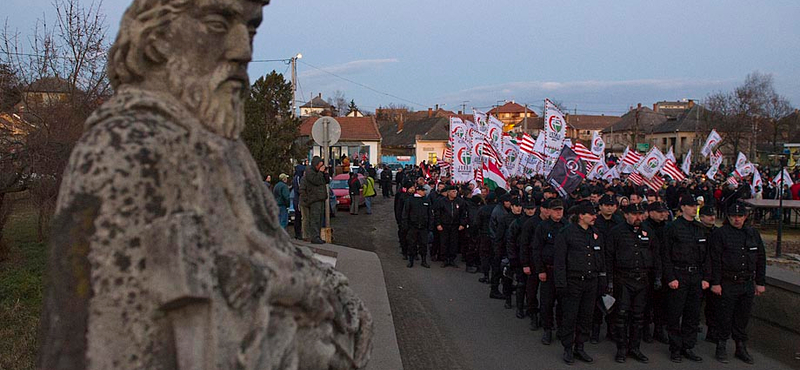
450	213
526	241
543	243
685	247
737	254
484	215
513	239
579	253
632	250
417	213
499	244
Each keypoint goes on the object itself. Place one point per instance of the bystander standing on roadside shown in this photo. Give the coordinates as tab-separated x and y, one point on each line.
281	194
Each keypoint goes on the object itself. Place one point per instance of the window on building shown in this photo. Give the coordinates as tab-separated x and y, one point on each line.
431	157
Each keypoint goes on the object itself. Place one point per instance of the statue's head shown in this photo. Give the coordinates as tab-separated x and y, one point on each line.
196	50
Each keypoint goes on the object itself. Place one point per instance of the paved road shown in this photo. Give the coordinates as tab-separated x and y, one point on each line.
445	319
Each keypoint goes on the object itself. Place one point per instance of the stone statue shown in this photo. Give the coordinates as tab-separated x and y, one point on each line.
166	251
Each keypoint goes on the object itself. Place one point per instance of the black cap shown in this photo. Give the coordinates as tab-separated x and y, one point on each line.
491	198
550	189
688	200
529	205
554	203
707	211
450	187
583	208
633	208
657	207
505	197
608	200
515	202
737	209
598	190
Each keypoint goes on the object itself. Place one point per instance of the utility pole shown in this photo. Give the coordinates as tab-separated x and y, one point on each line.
525	120
293	61
464	106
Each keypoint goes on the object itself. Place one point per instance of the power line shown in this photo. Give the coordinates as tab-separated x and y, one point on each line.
364	86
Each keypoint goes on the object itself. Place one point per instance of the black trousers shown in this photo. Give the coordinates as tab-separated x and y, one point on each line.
485	253
579	298
631	299
448	242
654	310
386	188
298	222
402	237
683	311
417	241
470	248
711	313
548	299
734	307
531	291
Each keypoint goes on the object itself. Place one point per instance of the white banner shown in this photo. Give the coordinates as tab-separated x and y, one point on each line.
686	167
495	133
555	129
712	141
462	168
598	145
480	120
651	163
671	155
598	171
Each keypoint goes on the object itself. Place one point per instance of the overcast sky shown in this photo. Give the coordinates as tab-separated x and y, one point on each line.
598	57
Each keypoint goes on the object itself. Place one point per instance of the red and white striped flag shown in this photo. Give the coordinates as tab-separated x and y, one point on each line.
732	180
671	169
489	151
479	176
448	155
584	153
527	143
631	158
655	183
636	178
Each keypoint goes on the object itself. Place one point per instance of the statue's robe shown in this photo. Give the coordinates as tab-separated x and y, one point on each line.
166	253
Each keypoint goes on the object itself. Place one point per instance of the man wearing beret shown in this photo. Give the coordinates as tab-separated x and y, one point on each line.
738	273
633	266
686	271
579	271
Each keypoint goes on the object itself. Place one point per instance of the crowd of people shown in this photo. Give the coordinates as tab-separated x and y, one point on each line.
639	260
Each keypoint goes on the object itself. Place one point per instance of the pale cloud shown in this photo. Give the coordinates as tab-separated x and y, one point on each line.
349	68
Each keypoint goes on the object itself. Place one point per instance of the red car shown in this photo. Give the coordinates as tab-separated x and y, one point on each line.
342	190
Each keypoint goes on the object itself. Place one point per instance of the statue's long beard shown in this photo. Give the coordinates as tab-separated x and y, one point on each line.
215	100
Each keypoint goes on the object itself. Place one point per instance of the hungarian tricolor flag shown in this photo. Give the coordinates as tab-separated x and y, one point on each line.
492	176
568	173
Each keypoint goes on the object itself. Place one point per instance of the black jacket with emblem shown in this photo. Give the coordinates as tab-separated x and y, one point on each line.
737	253
513	237
543	244
450	213
417	213
684	246
579	253
632	250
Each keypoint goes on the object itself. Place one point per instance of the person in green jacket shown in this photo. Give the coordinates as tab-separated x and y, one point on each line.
369	193
281	193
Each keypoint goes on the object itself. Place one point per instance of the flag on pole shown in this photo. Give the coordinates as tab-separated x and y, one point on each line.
495	132
757	180
787	179
732	181
568	173
712	140
671	155
636	178
479	176
687	163
598	145
651	163
631	157
480	120
611	174
457	129
598	171
538	147
741	160
584	153
463	170
447	156
527	144
671	169
491	153
493	176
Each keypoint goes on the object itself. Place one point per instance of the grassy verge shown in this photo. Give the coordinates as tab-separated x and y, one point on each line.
21	290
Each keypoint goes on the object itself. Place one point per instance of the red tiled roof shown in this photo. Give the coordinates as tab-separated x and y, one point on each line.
353	128
512	107
588	122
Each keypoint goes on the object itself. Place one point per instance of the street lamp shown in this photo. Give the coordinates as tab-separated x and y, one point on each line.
293	61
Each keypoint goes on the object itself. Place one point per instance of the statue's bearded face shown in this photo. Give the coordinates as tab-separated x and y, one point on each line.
209	47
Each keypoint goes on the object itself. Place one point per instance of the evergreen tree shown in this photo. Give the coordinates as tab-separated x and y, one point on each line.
270	130
352	107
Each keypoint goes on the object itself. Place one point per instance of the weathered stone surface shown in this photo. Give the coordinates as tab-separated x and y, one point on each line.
166	251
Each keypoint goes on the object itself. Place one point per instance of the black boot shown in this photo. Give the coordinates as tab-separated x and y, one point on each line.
711	336
742	354
520	312
688	353
534	322
621	354
508	304
660	334
424	262
594	338
494	293
609	331
410	261
484	279
580	354
520	297
638	355
453	263
722	352
647	334
569	356
547	337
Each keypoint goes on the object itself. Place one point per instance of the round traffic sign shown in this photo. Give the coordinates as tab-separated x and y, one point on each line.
334	131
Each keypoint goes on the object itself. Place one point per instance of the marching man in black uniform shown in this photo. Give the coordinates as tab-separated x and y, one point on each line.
417	221
607	218
528	266
543	260
450	217
686	270
579	271
513	246
631	259
738	265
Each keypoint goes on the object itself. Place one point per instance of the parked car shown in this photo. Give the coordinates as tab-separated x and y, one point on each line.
342	190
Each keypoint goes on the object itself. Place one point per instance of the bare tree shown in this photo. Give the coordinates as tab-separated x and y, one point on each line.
62	71
340	102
